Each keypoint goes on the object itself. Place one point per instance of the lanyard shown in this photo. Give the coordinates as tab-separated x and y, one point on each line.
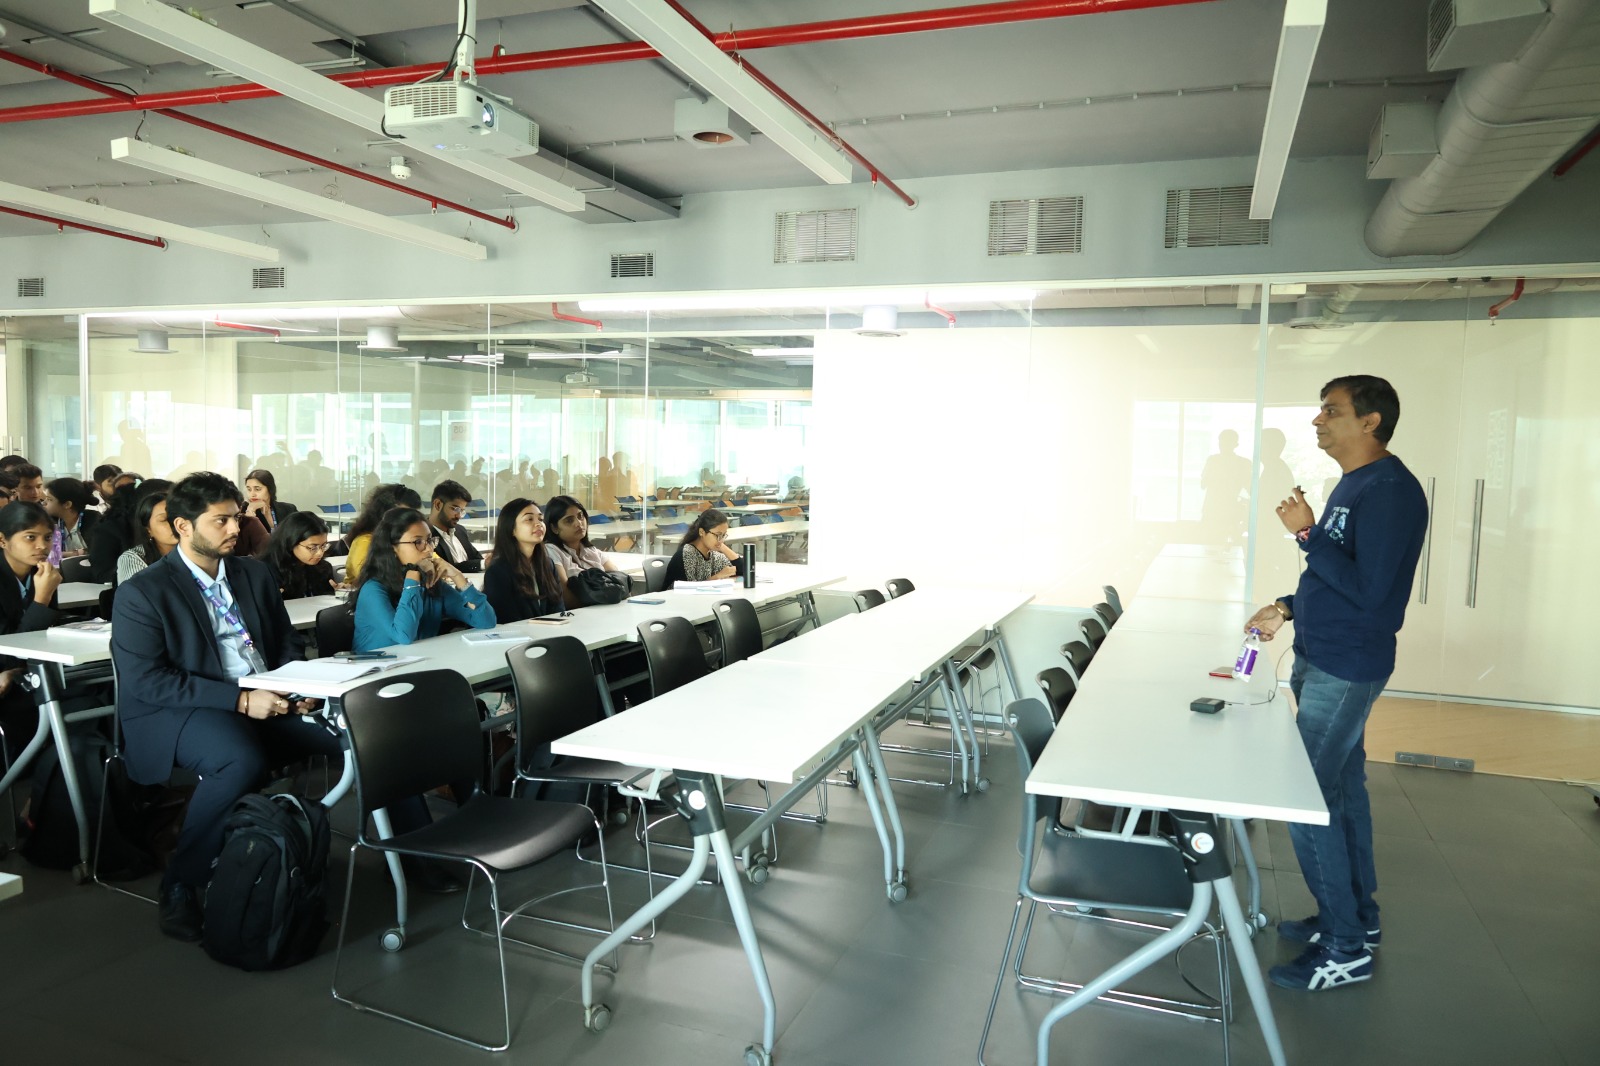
229	613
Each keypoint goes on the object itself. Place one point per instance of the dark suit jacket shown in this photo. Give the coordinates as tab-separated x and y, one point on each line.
165	650
17	616
474	558
108	541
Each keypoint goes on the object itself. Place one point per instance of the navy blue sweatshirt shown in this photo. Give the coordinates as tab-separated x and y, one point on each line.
1360	559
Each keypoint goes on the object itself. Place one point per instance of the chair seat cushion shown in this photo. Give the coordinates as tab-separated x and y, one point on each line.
503	834
1111	873
598	771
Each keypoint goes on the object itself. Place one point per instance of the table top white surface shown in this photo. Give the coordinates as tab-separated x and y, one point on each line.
1195	576
766	529
1165	615
1129	738
10	885
74	594
769	721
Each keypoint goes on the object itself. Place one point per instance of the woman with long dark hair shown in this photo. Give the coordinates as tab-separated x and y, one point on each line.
379	502
261	499
27	602
154	535
406	592
116	532
524	580
568	523
702	555
296	554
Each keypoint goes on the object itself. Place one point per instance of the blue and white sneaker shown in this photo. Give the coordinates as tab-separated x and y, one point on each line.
1309	931
1321	968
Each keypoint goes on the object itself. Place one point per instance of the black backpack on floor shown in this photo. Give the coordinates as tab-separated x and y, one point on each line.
267	905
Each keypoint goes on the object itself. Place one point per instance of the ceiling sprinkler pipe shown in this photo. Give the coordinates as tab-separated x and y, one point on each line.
59	223
949	319
556	312
274	334
1516	294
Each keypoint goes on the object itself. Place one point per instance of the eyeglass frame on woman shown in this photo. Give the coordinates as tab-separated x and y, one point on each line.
431	542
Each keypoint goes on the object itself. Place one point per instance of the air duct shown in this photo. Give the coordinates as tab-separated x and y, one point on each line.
1499	129
153	342
880	320
382	339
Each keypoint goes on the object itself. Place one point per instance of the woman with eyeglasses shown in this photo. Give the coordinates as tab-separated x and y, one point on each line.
702	555
568	522
406	592
525	580
296	554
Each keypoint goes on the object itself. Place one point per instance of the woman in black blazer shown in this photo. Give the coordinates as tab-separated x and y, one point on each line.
27	604
296	554
261	499
524	580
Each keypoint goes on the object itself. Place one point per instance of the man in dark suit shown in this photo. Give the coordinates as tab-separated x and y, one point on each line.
449	506
184	631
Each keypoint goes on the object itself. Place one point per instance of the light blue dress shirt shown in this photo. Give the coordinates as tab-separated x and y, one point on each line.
231	644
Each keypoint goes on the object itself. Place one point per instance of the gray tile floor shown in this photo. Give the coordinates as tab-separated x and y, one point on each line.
1491	929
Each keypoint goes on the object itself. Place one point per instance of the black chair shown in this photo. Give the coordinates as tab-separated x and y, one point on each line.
1078	655
78	568
1112	598
1107	616
107	598
672	652
1093	631
750	520
740	629
867	599
1059	688
410	734
655	573
336	628
899	586
1086	876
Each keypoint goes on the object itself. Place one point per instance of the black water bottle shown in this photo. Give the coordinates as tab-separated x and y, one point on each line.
749	566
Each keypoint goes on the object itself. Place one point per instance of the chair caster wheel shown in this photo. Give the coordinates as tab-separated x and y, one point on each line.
1258	921
596	1018
617	817
898	892
758	872
983	784
393	940
80	874
756	1055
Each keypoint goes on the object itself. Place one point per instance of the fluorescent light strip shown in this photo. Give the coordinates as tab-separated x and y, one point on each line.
193	37
686	48
1297	50
163	161
239	314
732	301
783	353
154	227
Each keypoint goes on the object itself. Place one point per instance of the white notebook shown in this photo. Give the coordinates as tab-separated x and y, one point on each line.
336	670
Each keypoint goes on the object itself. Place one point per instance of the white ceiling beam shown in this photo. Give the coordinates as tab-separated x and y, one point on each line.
1297	50
685	47
188	168
110	217
205	42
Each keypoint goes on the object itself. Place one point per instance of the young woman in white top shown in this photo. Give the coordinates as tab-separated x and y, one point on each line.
567	519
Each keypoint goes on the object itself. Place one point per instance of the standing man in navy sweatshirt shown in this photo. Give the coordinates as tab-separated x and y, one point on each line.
1359	562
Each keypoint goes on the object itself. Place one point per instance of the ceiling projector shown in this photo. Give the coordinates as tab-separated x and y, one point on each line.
459	117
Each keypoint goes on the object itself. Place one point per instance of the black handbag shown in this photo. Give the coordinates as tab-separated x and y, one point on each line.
594	586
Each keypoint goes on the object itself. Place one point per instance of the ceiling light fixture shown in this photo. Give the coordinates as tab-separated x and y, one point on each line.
682	44
153	342
382	339
193	37
1297	50
155	227
782	353
163	161
729	301
276	313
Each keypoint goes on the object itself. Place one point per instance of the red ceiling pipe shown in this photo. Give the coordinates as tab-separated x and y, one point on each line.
154	242
794	105
1516	294
117	94
1578	153
555	312
275	334
627	52
949	319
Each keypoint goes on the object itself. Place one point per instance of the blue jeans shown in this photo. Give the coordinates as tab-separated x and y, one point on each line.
1337	858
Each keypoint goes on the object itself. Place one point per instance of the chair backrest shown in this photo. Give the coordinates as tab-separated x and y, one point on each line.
77	568
107	598
750	520
1033	726
655	573
412	733
1112	598
554	683
1107	616
740	629
1093	632
867	599
336	628
598	518
672	650
1078	655
899	586
1059	688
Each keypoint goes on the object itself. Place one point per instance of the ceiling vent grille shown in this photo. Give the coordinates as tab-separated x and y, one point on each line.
434	100
1049	225
1441	20
266	278
633	265
30	286
814	236
1213	218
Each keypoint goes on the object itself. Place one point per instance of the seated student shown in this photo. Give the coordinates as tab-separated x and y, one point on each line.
68	502
701	554
9	463
297	556
156	537
8	486
115	533
30	482
447	508
104	483
524	580
406	592
378	503
568	523
182	635
27	604
261	499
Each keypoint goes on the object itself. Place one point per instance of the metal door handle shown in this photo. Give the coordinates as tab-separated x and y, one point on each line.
1427	547
1477	536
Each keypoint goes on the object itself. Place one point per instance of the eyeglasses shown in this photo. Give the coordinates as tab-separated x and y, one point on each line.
421	544
314	549
456	509
719	536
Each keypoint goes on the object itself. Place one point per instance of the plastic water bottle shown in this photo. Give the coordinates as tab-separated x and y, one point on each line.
1249	652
